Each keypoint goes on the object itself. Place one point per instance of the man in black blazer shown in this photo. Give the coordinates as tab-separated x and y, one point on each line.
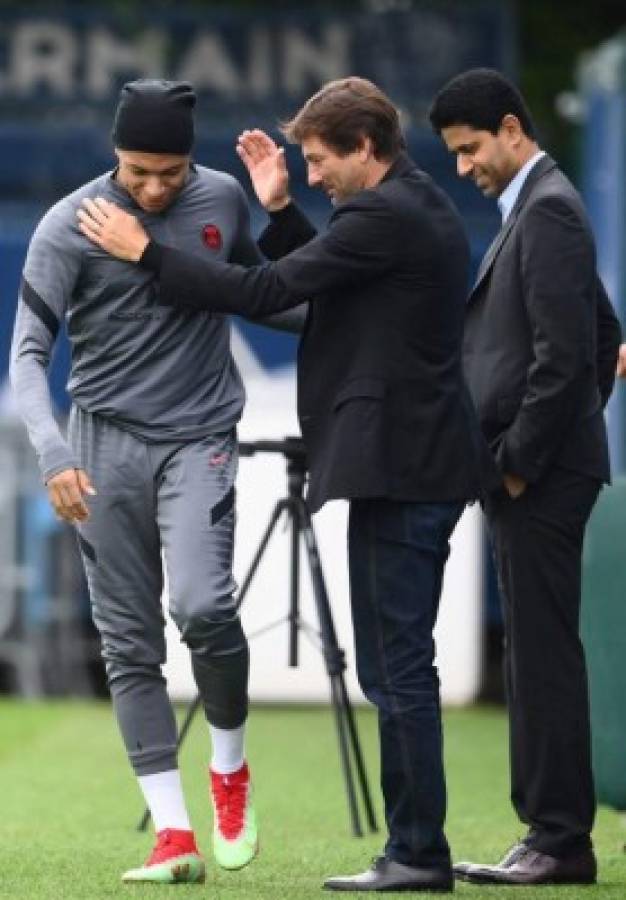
385	414
540	350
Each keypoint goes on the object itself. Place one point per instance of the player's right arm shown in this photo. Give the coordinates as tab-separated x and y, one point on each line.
49	278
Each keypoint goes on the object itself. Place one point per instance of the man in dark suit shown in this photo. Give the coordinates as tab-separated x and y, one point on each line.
385	415
540	349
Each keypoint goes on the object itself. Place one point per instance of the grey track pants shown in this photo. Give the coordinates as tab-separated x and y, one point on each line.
175	499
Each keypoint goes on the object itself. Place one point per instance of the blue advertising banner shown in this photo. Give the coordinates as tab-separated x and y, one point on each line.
603	85
60	75
66	68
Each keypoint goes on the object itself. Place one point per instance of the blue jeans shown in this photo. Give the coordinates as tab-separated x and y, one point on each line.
397	553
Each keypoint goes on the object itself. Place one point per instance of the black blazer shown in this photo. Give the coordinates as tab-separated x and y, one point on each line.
381	399
541	337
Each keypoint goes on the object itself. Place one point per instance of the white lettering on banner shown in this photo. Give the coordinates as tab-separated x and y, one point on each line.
107	57
305	61
47	55
260	66
207	66
42	54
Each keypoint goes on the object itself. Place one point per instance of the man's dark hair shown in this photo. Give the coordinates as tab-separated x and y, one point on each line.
480	98
344	112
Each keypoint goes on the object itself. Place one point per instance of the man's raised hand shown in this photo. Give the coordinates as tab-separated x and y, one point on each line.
265	162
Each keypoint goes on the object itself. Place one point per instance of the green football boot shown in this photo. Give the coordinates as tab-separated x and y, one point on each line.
174	860
235	838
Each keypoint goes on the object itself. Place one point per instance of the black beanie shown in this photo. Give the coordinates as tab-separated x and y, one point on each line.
155	116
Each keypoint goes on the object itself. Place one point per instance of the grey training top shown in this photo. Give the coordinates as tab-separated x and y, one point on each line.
161	373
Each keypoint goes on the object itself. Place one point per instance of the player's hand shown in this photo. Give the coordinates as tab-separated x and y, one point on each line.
515	486
113	229
265	162
620	371
67	491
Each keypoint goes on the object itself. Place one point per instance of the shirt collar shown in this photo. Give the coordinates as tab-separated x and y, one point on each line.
506	200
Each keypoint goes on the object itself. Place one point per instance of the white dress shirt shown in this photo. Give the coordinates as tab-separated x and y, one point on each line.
506	200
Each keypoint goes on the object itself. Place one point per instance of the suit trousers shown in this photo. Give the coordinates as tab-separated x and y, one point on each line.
537	541
397	553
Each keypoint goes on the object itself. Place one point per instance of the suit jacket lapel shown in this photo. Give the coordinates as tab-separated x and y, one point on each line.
544	165
494	249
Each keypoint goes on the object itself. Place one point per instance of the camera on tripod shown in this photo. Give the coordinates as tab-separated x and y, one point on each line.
294	451
291	447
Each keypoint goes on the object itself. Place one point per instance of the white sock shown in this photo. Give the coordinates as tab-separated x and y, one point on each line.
228	754
163	793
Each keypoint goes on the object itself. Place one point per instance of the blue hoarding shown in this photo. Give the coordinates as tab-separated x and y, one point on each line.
60	75
603	87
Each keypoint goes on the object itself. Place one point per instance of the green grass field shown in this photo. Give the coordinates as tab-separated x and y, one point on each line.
69	806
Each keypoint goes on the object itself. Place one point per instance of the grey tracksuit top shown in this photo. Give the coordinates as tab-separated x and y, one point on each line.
162	373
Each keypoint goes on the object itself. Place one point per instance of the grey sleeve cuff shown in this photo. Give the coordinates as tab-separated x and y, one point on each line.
56	459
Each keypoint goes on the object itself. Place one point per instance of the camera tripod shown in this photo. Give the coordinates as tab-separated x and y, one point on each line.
299	518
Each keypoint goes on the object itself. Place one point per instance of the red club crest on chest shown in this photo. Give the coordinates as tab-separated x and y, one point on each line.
212	237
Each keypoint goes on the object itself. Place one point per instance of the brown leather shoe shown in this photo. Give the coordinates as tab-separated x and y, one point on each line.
461	869
532	867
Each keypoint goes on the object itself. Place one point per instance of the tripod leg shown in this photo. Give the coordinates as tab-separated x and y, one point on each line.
276	514
280	506
344	755
358	757
294	588
335	666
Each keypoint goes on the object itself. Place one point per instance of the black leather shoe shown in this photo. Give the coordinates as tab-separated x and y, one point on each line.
533	867
388	875
461	868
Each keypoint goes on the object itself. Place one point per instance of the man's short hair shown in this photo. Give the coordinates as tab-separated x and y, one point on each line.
480	98
344	112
